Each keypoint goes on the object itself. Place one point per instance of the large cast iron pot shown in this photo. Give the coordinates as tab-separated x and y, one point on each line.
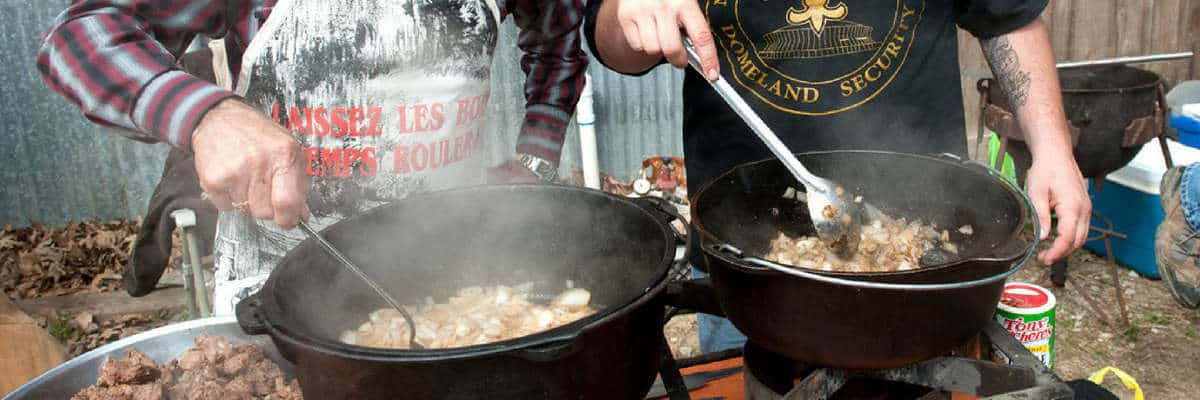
862	320
1101	102
435	244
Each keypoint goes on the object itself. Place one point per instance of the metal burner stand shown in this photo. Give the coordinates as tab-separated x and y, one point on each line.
1025	378
1105	232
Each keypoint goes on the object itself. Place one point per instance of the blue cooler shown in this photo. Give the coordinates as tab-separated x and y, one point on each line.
1189	129
1130	200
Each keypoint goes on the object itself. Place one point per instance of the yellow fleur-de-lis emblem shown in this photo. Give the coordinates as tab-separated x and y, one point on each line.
816	13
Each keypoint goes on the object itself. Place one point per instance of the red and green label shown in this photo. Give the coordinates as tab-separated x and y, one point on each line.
1028	312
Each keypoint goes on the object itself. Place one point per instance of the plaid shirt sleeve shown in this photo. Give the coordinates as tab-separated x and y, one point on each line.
554	65
108	58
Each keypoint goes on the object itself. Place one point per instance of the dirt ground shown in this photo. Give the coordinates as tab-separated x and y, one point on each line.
1160	348
682	334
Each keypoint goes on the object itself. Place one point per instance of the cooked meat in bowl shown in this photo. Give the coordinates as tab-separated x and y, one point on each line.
213	370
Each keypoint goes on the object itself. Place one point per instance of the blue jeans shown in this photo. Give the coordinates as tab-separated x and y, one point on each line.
716	333
1189	195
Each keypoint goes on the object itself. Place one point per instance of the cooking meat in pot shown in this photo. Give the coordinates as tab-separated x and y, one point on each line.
213	370
886	245
476	315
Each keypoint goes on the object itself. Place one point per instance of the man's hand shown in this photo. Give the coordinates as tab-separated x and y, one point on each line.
633	35
243	157
511	172
1056	184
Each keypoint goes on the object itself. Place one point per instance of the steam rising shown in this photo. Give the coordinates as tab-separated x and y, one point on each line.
436	244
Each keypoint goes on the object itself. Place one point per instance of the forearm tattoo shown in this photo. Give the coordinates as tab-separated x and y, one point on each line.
1006	65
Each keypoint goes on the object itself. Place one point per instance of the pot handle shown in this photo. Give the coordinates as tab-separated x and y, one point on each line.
737	254
248	316
694	294
553	349
670	214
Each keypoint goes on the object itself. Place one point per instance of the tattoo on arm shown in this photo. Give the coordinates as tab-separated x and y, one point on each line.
1006	65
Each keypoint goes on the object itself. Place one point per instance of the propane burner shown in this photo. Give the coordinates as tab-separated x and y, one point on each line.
770	376
1025	378
856	388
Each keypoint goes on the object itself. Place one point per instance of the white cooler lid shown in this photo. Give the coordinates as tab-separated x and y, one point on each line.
1191	110
1145	172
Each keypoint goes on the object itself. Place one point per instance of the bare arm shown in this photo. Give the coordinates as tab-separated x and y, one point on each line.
1023	64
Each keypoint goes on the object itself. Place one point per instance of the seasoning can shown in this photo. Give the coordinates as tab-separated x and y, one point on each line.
1027	312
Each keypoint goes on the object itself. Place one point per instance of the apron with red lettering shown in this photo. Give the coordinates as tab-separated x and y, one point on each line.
387	98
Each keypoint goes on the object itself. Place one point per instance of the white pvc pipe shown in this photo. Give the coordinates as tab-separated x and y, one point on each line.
585	117
193	280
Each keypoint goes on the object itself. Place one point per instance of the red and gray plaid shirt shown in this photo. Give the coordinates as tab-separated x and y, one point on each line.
116	60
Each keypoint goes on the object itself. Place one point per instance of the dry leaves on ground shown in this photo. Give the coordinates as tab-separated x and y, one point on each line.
1160	348
82	332
38	261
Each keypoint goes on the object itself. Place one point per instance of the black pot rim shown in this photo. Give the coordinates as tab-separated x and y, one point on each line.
562	335
708	237
1158	80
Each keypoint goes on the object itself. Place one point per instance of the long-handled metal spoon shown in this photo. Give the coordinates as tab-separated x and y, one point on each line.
837	221
333	251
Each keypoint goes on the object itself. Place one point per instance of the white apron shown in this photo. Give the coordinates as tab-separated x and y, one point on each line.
386	97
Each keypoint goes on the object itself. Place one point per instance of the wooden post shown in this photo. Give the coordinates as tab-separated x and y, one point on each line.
1195	56
1193	36
26	350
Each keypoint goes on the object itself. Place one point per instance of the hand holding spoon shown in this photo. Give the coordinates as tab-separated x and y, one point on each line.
838	222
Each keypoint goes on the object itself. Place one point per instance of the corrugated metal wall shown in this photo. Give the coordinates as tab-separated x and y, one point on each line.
636	118
62	168
58	167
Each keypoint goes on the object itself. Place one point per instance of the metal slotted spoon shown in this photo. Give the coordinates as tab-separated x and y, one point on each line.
837	221
337	255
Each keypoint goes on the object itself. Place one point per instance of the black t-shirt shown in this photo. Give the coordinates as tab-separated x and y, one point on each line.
835	74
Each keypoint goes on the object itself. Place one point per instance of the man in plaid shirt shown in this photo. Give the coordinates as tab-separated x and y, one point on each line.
117	61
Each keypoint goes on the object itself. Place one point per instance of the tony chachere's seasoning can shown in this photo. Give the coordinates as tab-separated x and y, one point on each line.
1027	312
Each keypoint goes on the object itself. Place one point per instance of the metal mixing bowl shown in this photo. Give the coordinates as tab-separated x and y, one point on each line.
161	345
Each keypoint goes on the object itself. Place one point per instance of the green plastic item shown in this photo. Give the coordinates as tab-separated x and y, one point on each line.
1008	169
